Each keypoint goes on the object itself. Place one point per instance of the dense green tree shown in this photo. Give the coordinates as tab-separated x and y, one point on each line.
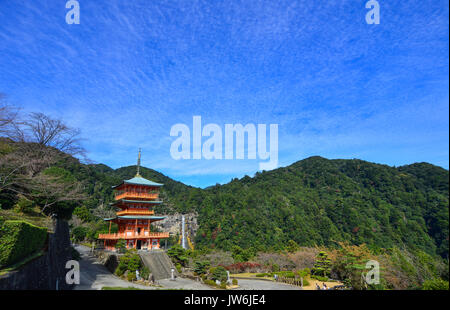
201	267
322	266
80	233
220	274
292	246
178	254
130	262
83	213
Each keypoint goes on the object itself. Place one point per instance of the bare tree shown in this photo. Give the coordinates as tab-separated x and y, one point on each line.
23	171
8	116
39	143
22	163
103	212
46	131
52	190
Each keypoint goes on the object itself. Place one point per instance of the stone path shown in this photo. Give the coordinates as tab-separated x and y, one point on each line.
94	276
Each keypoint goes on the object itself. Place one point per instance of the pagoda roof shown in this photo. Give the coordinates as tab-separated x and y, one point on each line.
151	202
136	217
138	180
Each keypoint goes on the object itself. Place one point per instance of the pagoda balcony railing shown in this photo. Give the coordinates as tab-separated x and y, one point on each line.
136	195
133	235
136	212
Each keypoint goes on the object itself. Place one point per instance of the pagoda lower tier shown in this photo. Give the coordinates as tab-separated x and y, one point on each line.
135	231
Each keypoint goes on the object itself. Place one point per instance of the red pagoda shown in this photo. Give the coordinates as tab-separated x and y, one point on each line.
136	198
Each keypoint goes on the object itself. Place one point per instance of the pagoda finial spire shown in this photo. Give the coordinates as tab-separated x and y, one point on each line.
139	164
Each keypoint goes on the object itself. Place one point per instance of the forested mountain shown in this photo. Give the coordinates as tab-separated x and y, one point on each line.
318	201
314	201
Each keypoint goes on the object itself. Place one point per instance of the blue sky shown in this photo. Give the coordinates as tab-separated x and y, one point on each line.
336	86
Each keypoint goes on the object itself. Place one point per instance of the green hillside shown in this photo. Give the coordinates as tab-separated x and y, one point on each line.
314	201
318	201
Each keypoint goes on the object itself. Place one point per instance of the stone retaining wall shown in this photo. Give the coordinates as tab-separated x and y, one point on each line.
47	272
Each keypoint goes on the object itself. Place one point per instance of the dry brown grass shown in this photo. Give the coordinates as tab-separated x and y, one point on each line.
268	259
312	284
305	257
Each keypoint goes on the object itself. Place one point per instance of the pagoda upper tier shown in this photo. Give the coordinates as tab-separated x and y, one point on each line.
137	191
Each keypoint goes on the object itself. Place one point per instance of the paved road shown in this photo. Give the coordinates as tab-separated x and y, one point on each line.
94	276
183	283
245	284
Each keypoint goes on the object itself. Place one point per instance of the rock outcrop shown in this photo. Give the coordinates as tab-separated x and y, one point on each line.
172	224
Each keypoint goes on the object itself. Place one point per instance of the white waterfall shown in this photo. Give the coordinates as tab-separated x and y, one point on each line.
183	233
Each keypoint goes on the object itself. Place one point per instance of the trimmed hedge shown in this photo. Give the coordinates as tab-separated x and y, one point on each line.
19	239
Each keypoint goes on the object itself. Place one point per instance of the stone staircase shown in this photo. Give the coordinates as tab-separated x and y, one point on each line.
159	264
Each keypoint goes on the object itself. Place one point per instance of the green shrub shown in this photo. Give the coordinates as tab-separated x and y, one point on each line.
131	276
121	246
210	282
134	262
178	266
24	205
219	273
130	261
323	279
286	274
235	282
435	284
304	272
5	148
223	285
79	233
120	270
201	267
19	239
144	273
178	255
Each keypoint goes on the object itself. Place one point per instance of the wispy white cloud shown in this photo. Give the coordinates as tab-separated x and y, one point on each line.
336	86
